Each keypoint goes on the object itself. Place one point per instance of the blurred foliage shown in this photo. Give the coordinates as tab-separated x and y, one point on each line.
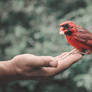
32	26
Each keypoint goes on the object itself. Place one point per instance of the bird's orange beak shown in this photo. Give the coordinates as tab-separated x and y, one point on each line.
61	30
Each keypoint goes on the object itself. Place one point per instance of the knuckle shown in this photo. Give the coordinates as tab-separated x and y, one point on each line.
43	63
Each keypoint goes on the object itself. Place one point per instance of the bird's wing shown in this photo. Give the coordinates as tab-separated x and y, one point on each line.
83	36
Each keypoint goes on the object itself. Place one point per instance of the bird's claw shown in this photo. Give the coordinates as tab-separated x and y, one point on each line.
85	53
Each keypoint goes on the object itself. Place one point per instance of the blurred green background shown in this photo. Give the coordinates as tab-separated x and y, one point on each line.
32	26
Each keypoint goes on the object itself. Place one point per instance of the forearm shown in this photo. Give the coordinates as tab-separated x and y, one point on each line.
7	72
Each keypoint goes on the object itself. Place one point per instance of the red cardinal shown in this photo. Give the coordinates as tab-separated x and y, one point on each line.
77	36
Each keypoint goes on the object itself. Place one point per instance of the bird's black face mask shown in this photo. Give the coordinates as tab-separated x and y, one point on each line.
67	27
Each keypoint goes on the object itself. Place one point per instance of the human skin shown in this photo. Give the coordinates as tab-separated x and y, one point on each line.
31	67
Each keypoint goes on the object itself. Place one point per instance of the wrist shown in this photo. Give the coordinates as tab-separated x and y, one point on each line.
8	71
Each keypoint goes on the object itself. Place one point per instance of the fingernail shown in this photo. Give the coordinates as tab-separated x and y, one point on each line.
53	63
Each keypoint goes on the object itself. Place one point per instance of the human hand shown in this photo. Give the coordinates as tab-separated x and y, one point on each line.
30	70
28	66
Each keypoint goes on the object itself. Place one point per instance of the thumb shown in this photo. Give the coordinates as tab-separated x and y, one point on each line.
43	61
